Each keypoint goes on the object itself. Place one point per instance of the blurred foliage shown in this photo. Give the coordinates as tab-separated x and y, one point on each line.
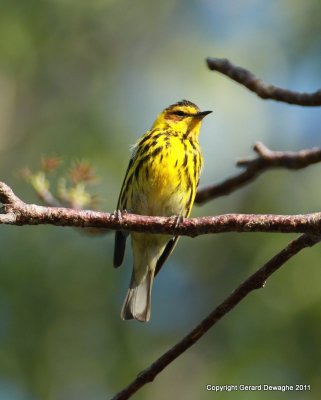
71	188
84	80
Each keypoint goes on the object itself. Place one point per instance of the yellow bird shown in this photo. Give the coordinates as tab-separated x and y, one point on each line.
161	180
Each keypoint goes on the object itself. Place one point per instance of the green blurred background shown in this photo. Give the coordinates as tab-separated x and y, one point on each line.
84	80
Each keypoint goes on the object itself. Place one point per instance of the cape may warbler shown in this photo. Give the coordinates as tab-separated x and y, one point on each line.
161	179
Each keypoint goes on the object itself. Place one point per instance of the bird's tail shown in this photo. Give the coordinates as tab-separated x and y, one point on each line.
138	300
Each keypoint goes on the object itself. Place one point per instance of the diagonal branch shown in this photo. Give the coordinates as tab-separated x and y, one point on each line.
256	85
266	159
255	281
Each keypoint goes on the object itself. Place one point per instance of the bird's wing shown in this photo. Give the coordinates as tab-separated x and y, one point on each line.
166	253
119	249
121	236
170	245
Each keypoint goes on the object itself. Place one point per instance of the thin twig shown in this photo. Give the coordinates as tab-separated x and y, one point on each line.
249	80
7	195
48	198
255	281
267	159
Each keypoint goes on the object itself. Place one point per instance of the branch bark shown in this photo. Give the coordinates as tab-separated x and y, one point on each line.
267	159
255	281
256	85
16	212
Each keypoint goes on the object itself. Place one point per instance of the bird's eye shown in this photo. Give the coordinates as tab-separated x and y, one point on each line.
179	113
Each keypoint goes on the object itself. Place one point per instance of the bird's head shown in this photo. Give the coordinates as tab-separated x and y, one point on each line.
183	117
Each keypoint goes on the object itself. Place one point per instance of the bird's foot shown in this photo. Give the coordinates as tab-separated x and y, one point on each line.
178	220
118	214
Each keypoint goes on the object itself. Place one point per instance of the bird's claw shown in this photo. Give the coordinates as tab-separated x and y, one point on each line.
118	214
178	220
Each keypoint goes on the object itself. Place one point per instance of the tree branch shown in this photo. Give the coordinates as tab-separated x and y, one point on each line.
267	159
16	212
255	281
249	80
8	197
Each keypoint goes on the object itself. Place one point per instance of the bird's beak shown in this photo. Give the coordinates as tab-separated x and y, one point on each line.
203	114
